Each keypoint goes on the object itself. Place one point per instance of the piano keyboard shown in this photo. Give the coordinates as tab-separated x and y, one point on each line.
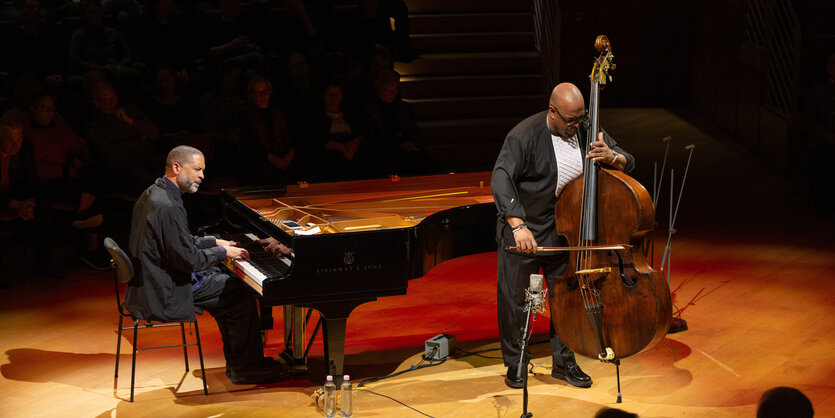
260	265
250	270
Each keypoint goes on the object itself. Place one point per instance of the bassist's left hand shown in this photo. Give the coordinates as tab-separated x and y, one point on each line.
602	154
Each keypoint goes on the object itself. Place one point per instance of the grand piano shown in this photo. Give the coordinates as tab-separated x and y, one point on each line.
353	242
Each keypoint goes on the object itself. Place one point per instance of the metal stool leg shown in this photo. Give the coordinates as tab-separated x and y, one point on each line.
118	347
200	354
133	358
185	348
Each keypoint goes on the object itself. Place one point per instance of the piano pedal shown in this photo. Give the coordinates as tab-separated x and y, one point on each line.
297	366
298	371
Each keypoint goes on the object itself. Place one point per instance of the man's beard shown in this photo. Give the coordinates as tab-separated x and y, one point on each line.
189	186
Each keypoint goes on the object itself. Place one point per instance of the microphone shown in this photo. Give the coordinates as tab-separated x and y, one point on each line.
535	294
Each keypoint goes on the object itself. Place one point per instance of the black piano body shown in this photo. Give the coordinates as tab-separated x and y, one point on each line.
358	240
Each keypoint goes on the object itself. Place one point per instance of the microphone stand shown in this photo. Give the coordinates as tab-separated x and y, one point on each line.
523	357
677	324
656	189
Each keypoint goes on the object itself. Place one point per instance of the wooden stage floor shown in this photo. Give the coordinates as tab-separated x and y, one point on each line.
752	272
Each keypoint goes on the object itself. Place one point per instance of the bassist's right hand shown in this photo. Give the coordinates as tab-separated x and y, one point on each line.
525	242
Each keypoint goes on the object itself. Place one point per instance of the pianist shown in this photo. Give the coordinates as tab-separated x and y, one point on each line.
176	271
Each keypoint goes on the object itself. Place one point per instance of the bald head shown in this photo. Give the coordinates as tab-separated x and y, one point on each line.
567	97
565	108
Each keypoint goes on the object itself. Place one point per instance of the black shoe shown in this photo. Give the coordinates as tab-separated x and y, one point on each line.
263	363
258	374
512	380
572	374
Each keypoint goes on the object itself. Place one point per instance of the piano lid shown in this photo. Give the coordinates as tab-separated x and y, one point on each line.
365	205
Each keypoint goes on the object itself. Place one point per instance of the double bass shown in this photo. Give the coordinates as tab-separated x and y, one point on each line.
609	304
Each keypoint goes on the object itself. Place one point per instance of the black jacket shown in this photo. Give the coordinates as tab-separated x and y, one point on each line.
525	178
164	255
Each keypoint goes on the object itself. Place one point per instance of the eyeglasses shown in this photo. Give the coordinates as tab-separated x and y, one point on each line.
261	93
577	121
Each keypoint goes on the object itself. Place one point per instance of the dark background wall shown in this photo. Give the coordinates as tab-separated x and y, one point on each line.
694	55
652	45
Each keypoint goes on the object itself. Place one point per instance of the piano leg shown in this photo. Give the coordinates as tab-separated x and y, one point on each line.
335	316
266	315
266	318
334	340
294	339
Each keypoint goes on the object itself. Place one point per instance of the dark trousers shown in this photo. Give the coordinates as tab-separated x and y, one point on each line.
514	273
234	308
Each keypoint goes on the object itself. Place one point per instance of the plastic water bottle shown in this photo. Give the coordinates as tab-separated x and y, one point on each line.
347	401
330	397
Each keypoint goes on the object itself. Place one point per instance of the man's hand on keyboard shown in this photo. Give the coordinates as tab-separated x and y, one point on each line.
233	252
272	246
225	243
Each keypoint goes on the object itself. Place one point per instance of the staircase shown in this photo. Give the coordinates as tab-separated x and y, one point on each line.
477	76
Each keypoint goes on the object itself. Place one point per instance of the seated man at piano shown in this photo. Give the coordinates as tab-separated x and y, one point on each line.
176	272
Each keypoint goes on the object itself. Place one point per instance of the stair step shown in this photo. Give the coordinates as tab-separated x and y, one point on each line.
419	87
472	63
465	158
470	22
468	6
466	144
467	131
474	42
476	107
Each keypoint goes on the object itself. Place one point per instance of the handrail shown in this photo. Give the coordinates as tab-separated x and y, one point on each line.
773	27
546	22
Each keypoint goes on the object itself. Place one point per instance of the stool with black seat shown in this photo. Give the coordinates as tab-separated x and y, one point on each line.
122	274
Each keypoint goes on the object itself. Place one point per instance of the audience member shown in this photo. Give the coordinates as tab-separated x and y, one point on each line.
27	89
17	200
386	22
298	32
164	39
784	402
32	47
359	85
392	129
60	155
335	153
122	142
169	108
121	8
220	111
614	413
17	173
95	46
23	221
299	97
229	36
265	151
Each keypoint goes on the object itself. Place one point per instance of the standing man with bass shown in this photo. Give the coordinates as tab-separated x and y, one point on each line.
539	157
